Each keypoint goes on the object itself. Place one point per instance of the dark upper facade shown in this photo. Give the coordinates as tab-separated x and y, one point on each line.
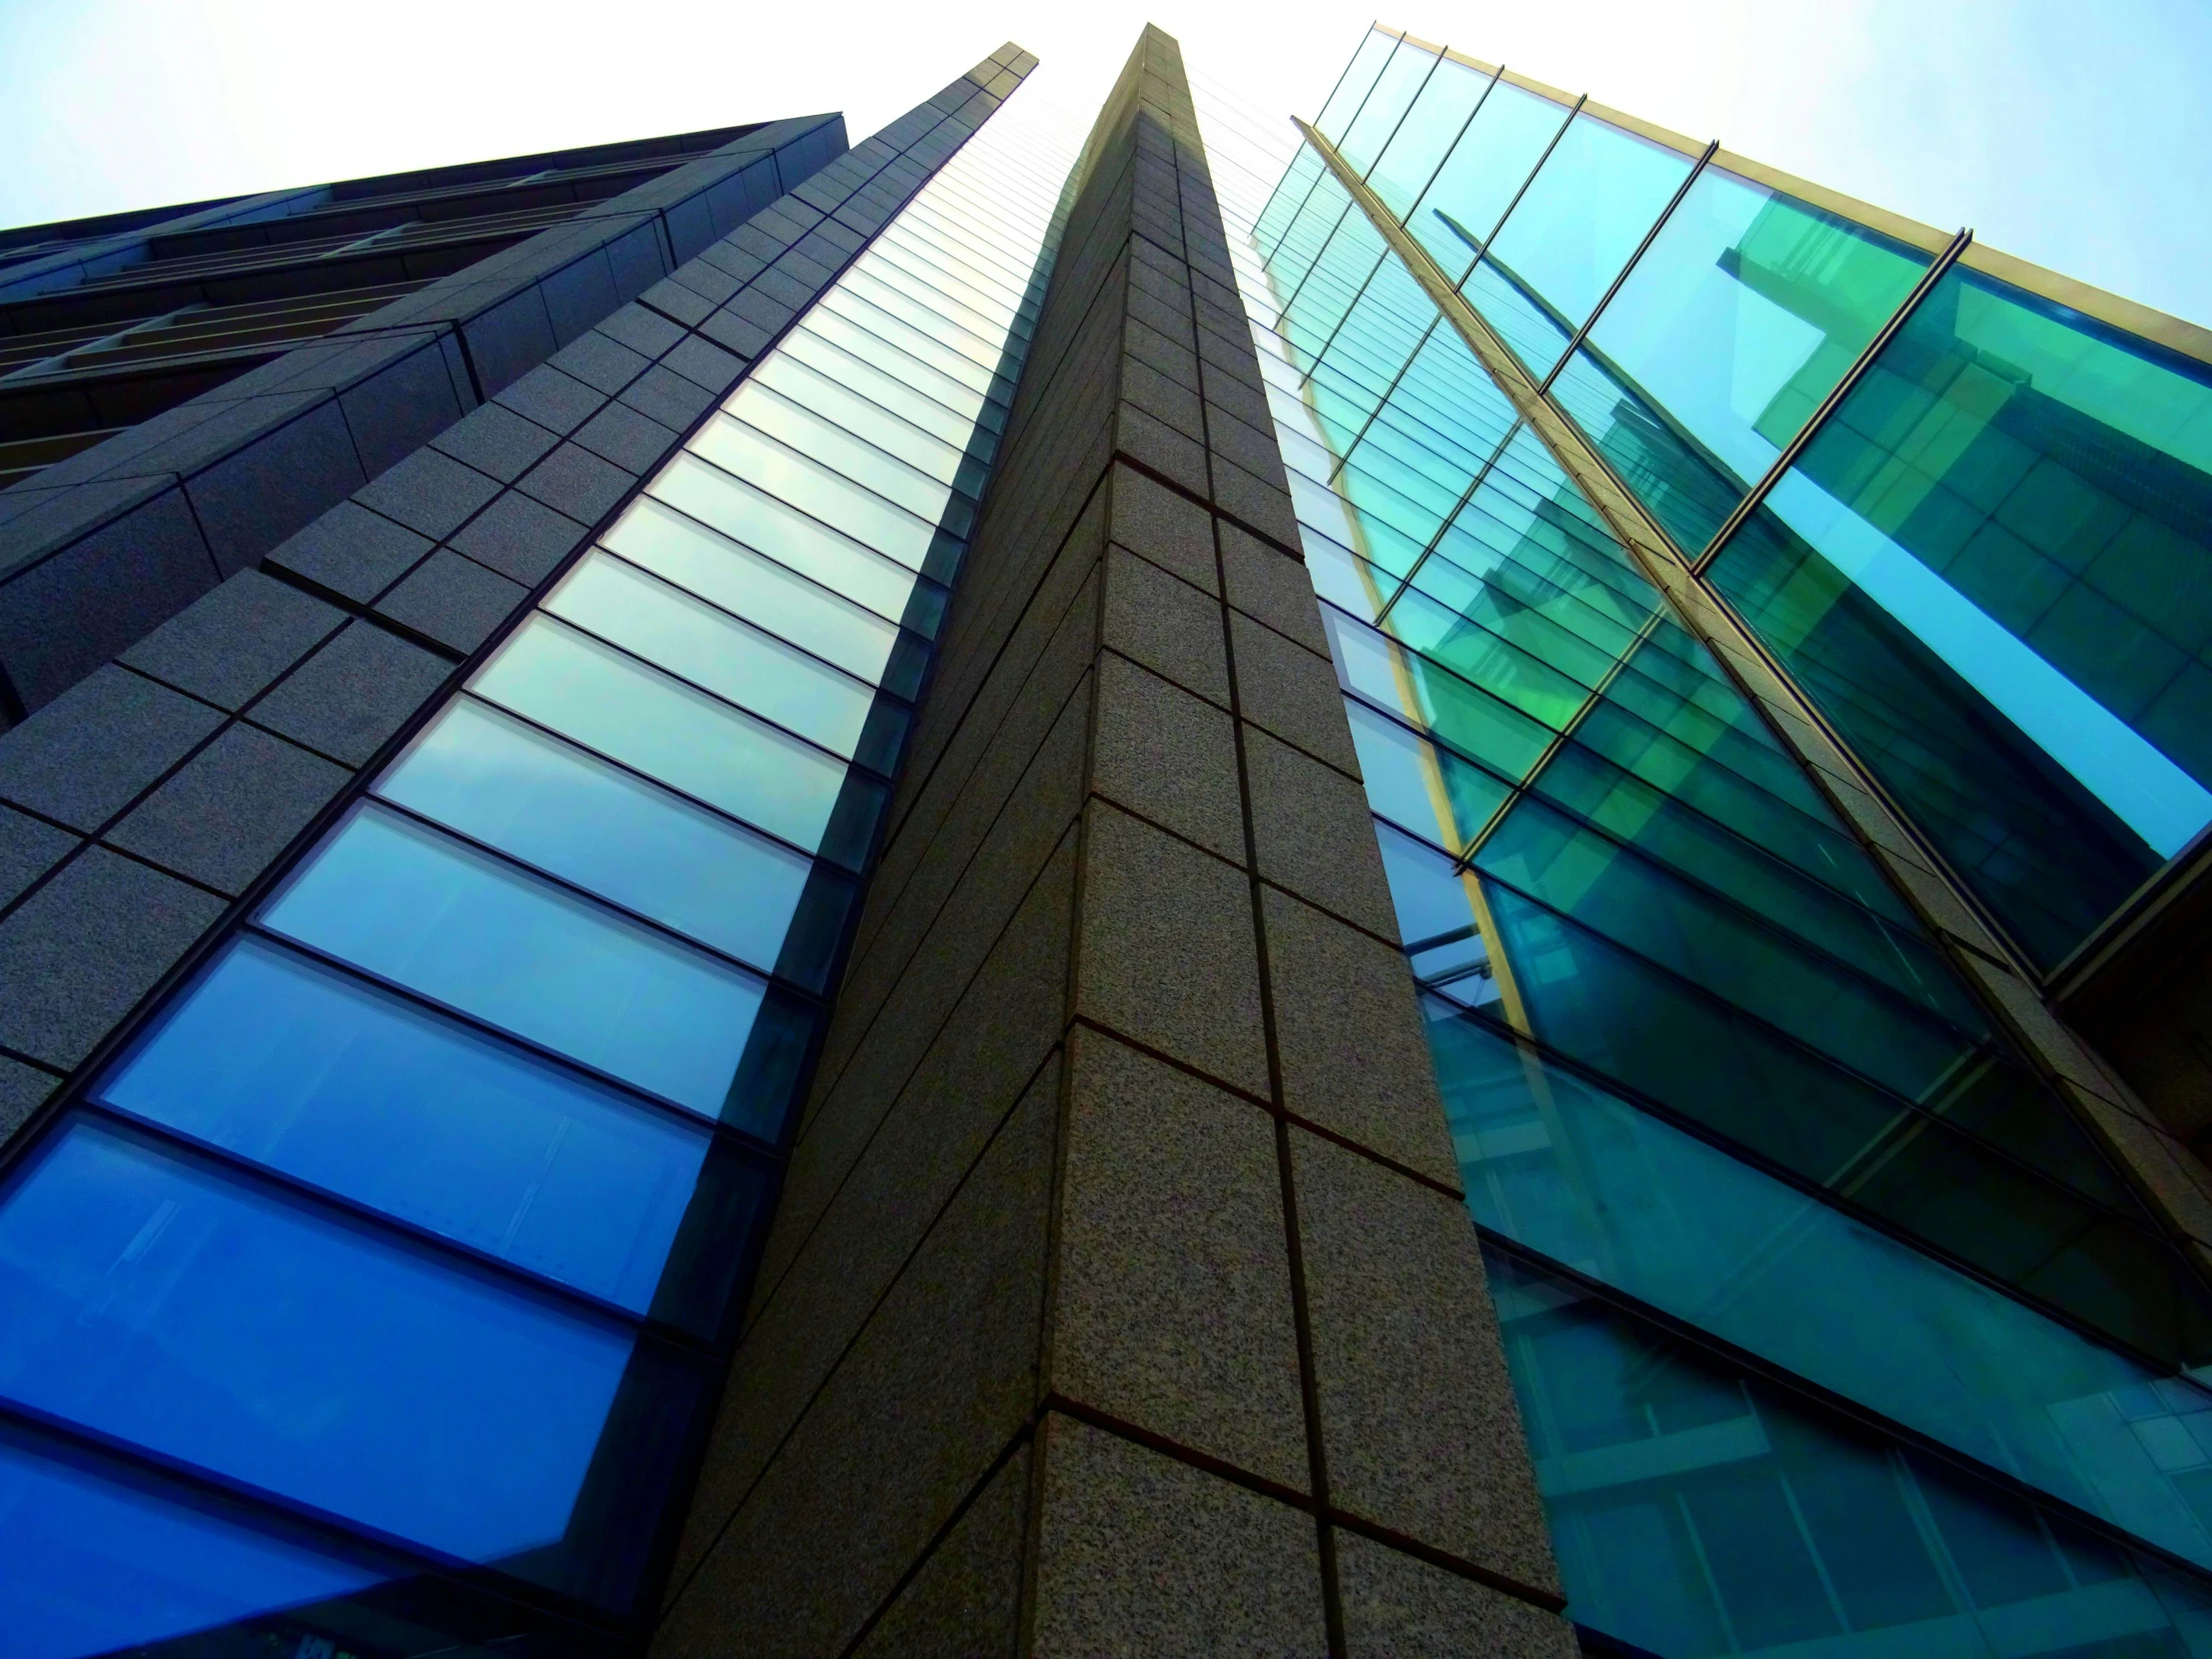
165	419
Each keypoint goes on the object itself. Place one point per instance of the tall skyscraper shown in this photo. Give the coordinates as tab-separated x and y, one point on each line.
1427	883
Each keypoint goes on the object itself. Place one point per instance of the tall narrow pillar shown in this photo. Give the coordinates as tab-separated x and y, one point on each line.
1122	1298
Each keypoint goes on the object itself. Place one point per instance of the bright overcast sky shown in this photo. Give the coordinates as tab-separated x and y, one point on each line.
2073	134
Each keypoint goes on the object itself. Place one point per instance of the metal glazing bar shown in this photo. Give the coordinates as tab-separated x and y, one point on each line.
1460	506
2166	1175
1299	289
1651	236
1359	294
1383	149
1834	400
1361	107
1381	403
1452	148
1518	194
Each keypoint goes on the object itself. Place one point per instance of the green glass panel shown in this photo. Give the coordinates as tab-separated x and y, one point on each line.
1593	201
1741	317
1487	166
1991	568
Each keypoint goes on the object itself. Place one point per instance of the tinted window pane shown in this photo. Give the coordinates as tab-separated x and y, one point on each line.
1596	197
1737	323
506	784
1672	1219
1402	80
887	429
688	739
1487	166
790	538
309	1071
1429	130
417	908
684	551
1352	87
147	1300
857	451
814	490
1990	567
708	647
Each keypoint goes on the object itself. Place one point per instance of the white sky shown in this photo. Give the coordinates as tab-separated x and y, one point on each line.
2073	134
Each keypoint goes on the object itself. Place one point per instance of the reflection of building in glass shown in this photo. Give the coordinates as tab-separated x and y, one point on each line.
1736	937
738	982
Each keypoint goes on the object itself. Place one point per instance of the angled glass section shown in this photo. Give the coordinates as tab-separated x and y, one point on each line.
1449	101
1625	902
1395	90
1488	164
1351	93
1987	569
406	1240
1590	205
1742	316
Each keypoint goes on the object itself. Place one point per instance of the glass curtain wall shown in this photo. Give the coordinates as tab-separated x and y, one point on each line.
387	1280
1988	567
1829	1323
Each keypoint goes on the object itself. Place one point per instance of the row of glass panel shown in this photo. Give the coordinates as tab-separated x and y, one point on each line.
1989	565
1696	1051
422	1211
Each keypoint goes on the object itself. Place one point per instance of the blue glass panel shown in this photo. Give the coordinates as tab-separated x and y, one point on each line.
692	741
472	930
857	451
307	1070
167	1305
790	537
91	1565
492	778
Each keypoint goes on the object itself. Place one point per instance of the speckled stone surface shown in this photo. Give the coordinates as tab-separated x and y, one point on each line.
1397	1606
1173	1305
1137	1554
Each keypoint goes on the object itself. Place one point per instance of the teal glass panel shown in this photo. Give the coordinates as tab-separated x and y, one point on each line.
1698	1508
857	451
473	933
1394	90
815	490
1593	201
550	805
1988	569
1485	169
1738	322
715	651
790	538
684	551
1581	1177
1288	195
1430	128
1429	790
1352	87
696	744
